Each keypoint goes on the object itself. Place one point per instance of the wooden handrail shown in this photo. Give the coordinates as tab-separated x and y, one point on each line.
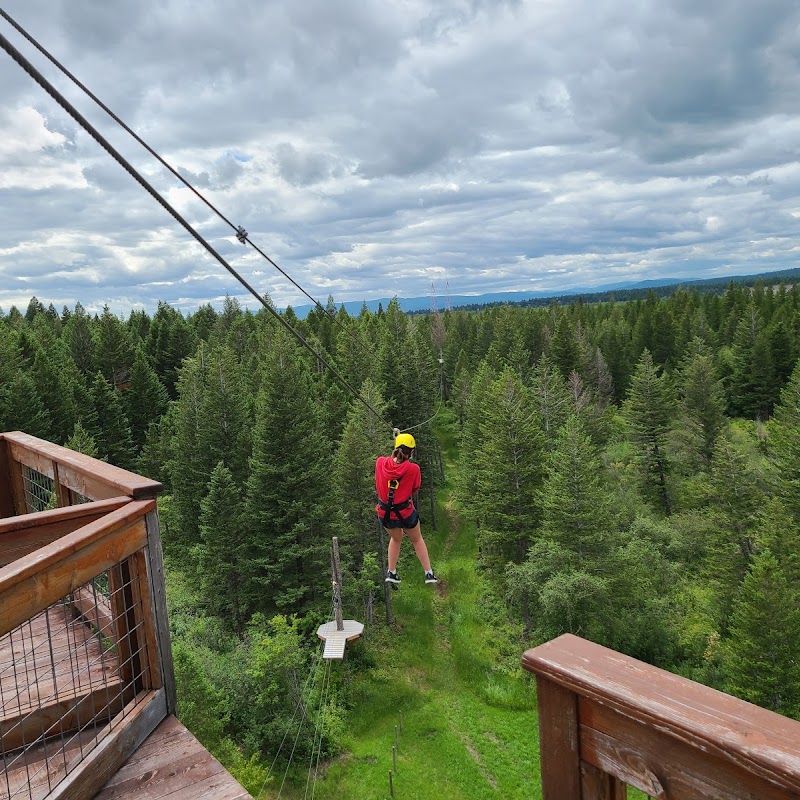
82	474
49	558
603	713
32	583
22	534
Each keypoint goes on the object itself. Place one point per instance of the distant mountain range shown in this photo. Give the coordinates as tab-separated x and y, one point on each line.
595	293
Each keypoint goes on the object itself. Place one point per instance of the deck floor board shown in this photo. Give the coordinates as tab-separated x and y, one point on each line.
172	764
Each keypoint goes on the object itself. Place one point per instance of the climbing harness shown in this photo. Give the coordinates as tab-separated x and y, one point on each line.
390	506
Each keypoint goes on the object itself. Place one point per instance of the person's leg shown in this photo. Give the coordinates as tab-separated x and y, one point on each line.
395	540
420	548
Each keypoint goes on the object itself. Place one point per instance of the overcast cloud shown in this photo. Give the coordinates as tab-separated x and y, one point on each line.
374	147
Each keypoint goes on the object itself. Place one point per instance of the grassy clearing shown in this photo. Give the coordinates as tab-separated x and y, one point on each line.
469	725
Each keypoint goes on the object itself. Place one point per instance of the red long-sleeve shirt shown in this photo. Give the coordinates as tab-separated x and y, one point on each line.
410	479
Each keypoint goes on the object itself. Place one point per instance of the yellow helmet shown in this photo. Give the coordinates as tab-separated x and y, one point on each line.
405	439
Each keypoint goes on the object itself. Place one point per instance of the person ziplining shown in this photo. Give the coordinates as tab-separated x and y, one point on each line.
397	479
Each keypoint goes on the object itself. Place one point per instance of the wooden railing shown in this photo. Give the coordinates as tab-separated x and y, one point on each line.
607	721
85	660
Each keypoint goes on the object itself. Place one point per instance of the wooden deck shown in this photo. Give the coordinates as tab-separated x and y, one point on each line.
87	686
172	764
55	674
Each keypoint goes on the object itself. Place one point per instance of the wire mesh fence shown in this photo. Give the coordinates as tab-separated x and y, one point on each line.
39	490
68	676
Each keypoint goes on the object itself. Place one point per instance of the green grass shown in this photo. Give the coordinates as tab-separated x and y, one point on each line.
469	725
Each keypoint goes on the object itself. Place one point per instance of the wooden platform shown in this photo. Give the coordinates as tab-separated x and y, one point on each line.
55	676
172	764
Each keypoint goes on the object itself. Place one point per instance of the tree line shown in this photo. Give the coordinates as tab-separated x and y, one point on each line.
631	470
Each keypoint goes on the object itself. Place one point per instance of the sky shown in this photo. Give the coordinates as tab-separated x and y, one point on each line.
377	148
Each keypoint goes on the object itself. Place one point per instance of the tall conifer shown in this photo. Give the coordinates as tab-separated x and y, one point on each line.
650	410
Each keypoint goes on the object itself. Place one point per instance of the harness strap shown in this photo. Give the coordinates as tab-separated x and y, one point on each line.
389	506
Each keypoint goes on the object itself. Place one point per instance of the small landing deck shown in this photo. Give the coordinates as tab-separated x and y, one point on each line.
172	764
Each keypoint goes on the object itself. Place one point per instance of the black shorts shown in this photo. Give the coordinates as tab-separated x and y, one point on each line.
412	520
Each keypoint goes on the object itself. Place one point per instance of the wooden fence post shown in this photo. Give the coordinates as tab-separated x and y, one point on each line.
559	742
155	558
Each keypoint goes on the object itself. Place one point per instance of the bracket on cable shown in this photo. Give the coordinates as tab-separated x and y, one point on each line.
241	235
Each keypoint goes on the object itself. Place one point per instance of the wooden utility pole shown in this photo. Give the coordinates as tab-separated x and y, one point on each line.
336	569
338	632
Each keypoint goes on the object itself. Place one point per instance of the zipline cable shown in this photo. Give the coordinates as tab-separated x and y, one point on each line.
120	159
310	680
241	233
319	726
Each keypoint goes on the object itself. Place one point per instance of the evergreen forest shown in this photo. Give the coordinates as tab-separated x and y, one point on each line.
628	471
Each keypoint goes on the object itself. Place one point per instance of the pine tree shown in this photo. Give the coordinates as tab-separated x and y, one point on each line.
786	446
22	408
564	349
353	475
574	499
81	441
223	566
145	399
508	468
35	307
735	497
703	400
10	356
189	466
472	438
753	380
78	336
223	432
551	398
113	433
761	664
49	373
462	385
114	349
289	500
650	410
169	341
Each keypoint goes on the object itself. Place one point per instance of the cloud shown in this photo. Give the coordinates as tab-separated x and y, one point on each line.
372	148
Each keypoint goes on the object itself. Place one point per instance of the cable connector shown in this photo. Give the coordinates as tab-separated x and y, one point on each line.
395	432
241	235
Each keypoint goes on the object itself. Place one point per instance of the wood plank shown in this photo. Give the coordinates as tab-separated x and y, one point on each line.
7	508
170	735
23	534
34	459
25	522
17	485
77	471
70	712
38	663
39	580
63	493
172	764
124	627
558	742
155	572
599	785
145	620
95	608
663	766
30	774
141	717
751	738
47	556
